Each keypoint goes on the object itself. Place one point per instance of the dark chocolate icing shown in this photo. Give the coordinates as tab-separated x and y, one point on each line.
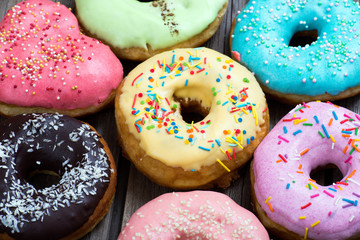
60	144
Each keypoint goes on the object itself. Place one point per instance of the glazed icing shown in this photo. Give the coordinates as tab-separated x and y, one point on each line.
311	135
193	215
46	62
235	101
264	29
57	143
160	24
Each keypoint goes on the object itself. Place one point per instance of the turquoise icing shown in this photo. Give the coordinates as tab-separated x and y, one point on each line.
264	29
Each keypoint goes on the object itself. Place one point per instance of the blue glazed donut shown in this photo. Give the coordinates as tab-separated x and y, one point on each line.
326	69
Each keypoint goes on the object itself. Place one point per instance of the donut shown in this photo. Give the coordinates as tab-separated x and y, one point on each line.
265	38
189	118
193	215
137	30
59	145
289	202
47	65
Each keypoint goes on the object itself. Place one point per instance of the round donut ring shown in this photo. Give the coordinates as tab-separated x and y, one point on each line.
324	70
62	146
193	215
180	154
291	204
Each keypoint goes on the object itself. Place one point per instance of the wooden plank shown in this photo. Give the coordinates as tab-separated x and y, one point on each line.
104	123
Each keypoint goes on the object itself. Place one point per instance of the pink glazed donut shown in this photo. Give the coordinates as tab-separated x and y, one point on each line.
291	204
48	65
193	215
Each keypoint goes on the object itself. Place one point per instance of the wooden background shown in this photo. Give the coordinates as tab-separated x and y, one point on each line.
133	189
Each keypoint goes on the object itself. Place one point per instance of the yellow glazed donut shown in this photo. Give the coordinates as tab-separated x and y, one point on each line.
151	105
137	29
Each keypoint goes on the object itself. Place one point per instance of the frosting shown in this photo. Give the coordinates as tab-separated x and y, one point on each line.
46	62
264	29
160	24
311	135
235	101
193	215
56	143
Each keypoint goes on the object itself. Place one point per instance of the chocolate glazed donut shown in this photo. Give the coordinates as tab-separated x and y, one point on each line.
62	146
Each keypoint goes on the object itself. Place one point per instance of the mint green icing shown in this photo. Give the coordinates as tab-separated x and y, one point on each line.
130	23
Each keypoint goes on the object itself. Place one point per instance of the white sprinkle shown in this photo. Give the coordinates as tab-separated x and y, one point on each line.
337	201
352	180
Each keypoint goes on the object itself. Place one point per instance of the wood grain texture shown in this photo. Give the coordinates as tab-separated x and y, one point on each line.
133	189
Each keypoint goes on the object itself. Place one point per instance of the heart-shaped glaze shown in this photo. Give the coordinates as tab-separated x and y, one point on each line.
46	62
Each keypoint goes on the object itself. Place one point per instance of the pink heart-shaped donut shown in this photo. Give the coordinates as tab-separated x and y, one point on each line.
47	64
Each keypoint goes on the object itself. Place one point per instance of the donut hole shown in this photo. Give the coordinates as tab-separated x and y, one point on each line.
191	110
42	168
43	179
303	38
326	175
